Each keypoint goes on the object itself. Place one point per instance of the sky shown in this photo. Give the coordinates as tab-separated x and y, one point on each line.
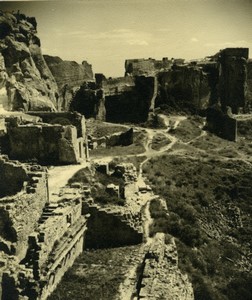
106	32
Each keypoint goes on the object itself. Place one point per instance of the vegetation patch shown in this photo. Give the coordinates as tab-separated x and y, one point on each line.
136	148
98	182
96	274
159	141
188	129
99	129
209	203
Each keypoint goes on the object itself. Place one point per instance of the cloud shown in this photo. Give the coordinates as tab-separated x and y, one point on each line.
138	42
194	40
120	35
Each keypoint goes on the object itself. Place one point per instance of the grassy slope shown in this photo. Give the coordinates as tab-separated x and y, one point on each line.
203	189
96	274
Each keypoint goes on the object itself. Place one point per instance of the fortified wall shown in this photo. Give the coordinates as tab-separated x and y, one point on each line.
147	67
233	92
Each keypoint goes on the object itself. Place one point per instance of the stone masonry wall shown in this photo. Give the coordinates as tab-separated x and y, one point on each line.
160	277
108	228
21	212
44	142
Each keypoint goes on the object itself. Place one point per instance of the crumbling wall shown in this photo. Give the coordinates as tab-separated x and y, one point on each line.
63	118
117	139
160	277
249	85
108	228
150	66
13	175
46	143
21	212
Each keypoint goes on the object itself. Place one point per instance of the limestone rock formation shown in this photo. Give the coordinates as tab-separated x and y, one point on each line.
233	78
122	99
184	87
25	80
69	76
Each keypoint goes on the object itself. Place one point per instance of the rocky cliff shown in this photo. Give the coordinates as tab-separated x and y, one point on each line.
183	87
25	80
69	76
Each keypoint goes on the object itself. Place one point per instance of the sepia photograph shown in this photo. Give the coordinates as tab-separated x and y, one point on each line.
126	150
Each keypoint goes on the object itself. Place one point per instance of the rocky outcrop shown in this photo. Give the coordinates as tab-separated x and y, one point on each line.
183	87
249	84
221	123
69	76
233	78
25	80
123	99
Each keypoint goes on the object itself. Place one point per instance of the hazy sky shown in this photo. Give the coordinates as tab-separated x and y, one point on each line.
106	32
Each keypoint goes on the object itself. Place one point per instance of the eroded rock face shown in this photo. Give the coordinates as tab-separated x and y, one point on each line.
184	87
69	76
233	78
25	80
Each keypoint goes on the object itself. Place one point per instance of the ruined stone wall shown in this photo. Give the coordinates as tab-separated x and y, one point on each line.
52	229
249	85
21	212
23	71
44	142
117	139
117	85
63	118
112	229
138	67
160	277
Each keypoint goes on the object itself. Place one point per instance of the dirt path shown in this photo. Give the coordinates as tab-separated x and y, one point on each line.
58	177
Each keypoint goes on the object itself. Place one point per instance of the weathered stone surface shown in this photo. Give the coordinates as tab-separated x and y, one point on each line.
60	139
249	85
161	277
150	66
112	227
69	76
222	124
233	78
24	75
125	99
183	87
39	240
